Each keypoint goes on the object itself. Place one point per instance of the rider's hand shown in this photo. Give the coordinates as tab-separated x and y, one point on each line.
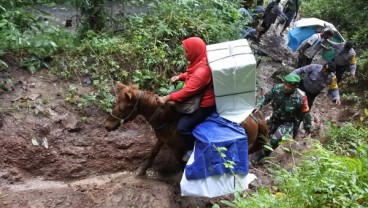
255	110
174	78
163	99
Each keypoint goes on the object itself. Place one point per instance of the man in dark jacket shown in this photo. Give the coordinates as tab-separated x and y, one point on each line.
291	11
273	10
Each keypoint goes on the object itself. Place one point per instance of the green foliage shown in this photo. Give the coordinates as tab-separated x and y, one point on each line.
3	65
347	138
322	179
222	152
101	98
35	38
348	16
93	15
150	51
363	66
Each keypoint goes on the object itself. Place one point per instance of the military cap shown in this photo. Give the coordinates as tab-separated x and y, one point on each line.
292	78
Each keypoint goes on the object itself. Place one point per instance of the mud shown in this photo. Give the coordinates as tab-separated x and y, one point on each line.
54	154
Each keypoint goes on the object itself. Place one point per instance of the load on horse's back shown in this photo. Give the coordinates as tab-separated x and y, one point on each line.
131	102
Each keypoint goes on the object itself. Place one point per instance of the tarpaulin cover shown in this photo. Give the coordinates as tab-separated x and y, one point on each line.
305	28
213	133
233	68
297	35
329	54
307	22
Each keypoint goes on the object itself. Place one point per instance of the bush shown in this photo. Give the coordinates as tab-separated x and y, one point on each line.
322	179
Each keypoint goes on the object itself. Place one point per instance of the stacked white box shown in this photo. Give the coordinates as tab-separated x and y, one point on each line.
233	67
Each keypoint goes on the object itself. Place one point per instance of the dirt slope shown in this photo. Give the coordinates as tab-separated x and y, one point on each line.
56	155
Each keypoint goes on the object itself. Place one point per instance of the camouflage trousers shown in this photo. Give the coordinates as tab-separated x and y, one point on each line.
278	130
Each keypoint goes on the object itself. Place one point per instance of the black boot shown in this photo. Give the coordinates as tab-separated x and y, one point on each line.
258	156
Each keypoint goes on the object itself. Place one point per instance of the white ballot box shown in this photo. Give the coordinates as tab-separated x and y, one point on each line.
233	68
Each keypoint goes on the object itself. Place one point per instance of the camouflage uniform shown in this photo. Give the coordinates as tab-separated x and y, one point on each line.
288	112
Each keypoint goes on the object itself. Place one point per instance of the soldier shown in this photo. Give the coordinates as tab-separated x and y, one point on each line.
289	107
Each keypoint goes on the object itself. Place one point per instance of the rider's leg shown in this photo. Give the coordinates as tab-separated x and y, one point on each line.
188	122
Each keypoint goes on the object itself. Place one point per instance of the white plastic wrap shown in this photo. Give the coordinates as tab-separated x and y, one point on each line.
233	68
214	186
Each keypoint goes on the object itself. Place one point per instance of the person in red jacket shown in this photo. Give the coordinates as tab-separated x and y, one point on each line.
197	78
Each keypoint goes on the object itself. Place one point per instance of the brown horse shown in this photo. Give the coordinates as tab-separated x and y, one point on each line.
132	102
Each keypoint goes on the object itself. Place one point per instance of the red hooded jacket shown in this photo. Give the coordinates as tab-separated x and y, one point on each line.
197	75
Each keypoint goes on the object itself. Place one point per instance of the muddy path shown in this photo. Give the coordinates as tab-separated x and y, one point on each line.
54	154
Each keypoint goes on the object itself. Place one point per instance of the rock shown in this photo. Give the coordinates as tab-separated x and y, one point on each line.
70	121
39	110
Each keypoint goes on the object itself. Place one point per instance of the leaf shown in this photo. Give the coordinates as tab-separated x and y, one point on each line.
53	44
286	149
230	204
268	147
2	24
34	141
32	69
221	149
360	201
3	64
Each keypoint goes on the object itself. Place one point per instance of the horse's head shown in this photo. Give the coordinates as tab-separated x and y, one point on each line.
125	108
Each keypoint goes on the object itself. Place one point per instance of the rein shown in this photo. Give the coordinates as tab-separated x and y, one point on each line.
134	109
130	114
254	118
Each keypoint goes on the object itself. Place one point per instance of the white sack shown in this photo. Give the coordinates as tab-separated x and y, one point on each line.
214	186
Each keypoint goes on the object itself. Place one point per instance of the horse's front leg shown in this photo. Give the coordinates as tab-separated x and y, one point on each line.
143	169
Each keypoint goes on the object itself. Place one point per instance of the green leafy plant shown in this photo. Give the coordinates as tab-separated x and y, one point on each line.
346	139
150	50
322	179
222	152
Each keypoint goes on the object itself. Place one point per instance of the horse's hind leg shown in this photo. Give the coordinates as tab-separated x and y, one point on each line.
142	170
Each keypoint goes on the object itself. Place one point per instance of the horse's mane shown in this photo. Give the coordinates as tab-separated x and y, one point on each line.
167	111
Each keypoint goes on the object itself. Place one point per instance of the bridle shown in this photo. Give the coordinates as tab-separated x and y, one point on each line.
134	109
130	114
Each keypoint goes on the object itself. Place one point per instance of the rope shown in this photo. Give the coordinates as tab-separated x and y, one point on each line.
134	109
